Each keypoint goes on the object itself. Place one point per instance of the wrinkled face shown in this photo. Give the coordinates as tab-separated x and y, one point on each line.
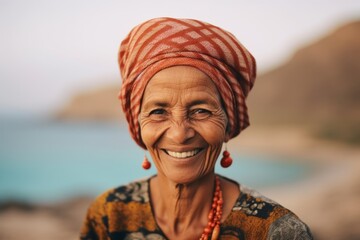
183	124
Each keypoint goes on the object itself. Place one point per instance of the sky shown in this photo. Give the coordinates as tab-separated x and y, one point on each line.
51	50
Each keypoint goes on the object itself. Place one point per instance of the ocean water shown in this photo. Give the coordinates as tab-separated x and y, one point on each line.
45	161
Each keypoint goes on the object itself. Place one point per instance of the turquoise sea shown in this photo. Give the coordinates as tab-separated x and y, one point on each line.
45	161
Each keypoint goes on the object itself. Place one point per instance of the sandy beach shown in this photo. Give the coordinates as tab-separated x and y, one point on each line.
327	200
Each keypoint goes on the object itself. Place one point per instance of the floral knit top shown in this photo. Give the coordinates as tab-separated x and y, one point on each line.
126	213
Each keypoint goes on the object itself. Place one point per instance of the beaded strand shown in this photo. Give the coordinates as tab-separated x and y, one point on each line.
215	214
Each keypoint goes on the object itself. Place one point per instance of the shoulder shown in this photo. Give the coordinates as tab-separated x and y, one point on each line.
289	226
136	191
117	209
258	217
252	203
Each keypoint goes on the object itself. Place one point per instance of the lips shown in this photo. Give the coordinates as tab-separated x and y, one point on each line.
186	154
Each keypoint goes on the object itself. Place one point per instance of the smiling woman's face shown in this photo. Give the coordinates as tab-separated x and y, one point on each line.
183	124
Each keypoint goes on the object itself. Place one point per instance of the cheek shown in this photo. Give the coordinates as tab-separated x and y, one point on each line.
151	132
213	131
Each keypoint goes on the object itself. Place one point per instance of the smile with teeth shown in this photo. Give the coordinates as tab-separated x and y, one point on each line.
183	154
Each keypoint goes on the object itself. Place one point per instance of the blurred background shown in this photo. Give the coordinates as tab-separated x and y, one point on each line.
63	138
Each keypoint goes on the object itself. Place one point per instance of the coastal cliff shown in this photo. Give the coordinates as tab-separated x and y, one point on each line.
318	88
100	104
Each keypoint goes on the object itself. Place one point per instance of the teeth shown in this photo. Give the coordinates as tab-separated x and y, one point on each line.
183	154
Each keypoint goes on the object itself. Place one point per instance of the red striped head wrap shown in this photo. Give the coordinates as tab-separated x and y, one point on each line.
164	42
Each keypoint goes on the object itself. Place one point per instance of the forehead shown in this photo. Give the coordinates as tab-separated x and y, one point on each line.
181	78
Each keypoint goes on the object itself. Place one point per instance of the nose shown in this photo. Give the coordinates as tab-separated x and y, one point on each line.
180	133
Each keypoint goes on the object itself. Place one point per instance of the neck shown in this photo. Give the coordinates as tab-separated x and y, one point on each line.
182	208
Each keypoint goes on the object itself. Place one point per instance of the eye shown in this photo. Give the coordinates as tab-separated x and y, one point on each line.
158	114
158	111
200	113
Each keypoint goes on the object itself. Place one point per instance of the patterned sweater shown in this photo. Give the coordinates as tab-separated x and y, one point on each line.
125	213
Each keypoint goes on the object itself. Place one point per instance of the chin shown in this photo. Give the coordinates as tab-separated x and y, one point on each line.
185	177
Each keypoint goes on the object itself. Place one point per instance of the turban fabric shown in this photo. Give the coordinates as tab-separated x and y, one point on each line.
165	42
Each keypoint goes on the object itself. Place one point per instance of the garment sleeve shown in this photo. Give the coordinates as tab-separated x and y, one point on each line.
94	227
289	227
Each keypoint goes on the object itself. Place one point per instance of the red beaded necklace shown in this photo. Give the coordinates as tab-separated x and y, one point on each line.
215	214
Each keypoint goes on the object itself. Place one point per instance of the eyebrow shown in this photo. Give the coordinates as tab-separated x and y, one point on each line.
200	102
155	103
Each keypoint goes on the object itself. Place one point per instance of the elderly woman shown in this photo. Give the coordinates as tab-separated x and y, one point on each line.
183	94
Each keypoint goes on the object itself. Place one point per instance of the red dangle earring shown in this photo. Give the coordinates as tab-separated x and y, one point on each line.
226	160
146	164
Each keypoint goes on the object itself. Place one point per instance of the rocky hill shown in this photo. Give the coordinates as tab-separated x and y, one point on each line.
319	88
94	104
